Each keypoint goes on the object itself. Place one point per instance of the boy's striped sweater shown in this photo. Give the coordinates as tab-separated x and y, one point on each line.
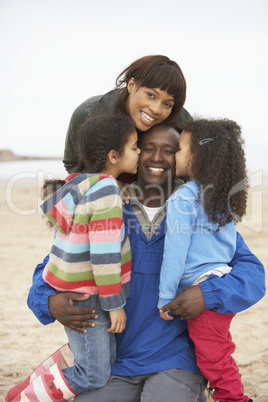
91	251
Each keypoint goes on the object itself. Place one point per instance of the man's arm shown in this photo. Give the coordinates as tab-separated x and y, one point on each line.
234	292
39	293
241	288
48	305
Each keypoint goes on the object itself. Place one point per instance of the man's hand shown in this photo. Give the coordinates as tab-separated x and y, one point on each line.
189	303
61	306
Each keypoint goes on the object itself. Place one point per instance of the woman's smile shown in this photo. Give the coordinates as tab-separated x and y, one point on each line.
148	106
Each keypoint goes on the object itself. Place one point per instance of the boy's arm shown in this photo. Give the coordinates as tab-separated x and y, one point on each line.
234	292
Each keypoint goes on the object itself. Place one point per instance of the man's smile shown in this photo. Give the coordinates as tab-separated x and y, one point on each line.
156	169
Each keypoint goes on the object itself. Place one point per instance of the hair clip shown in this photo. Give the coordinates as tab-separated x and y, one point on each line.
205	140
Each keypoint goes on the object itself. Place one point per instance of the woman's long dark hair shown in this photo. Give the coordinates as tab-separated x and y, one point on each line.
154	71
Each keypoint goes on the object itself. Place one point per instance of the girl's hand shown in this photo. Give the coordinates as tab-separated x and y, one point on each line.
125	192
188	303
118	318
165	315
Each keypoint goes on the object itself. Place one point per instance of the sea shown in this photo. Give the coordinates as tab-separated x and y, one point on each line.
34	172
31	172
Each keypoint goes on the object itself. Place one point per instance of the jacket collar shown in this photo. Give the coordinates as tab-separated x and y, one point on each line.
149	229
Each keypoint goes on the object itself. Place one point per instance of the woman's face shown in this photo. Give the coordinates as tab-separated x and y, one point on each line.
148	106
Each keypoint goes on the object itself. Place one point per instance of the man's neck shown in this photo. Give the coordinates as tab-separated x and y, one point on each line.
152	196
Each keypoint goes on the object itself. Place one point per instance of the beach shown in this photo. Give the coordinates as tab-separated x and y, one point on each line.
26	240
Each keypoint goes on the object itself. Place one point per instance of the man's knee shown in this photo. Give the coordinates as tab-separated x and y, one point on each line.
179	385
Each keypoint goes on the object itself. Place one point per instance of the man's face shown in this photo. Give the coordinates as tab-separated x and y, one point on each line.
157	158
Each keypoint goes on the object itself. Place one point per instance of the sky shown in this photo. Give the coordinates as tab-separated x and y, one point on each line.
57	53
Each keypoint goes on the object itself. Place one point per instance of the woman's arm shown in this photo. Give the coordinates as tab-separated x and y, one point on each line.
70	156
234	292
80	114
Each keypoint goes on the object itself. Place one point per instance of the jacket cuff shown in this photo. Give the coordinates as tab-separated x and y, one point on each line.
46	317
212	301
163	302
116	301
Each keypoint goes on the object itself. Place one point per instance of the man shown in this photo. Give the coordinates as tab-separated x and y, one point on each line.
155	358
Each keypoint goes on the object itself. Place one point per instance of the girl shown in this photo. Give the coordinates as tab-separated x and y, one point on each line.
90	254
201	239
150	90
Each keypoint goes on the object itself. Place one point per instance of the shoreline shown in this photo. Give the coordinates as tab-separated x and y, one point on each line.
29	158
6	155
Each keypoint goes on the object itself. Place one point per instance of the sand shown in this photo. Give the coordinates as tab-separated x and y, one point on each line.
25	343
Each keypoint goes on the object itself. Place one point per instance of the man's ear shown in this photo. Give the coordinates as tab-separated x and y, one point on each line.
131	85
112	157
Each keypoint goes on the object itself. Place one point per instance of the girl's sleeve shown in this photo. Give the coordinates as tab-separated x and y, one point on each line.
241	288
106	231
180	218
39	293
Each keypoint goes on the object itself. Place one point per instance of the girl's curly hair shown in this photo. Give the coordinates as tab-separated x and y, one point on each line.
218	163
96	138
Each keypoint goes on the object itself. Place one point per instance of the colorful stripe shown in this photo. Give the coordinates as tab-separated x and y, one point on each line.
91	251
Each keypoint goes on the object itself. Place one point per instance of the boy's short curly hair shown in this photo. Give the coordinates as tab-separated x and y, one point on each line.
218	163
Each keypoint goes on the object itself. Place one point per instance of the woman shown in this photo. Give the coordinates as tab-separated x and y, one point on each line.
150	90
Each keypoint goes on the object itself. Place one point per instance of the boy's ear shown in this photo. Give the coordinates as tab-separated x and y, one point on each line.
112	157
